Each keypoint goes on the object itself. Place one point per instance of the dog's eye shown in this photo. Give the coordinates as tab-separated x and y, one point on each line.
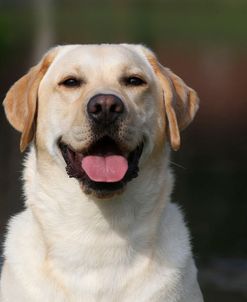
71	82
134	81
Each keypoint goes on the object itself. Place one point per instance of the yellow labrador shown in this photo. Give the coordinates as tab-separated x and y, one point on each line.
98	223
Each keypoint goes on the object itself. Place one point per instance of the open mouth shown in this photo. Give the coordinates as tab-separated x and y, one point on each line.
104	167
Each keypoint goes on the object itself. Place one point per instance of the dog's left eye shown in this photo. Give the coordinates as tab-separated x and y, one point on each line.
134	81
71	82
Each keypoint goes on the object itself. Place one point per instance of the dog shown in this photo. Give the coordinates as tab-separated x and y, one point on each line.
98	223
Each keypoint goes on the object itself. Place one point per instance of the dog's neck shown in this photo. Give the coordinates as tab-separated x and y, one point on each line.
125	217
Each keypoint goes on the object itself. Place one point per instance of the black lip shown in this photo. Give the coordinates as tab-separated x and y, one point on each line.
101	189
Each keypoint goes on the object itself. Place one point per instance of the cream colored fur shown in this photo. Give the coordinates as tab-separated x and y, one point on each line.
70	246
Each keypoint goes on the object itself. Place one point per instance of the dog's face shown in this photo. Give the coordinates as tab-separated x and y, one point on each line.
100	111
99	105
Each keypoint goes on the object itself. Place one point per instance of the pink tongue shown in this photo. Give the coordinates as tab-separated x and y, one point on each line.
105	169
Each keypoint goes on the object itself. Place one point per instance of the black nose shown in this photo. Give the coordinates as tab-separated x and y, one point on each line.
105	108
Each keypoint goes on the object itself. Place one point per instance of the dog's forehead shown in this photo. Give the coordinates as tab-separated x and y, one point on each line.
100	57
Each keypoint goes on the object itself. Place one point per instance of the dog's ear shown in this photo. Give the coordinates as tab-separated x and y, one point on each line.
20	103
181	102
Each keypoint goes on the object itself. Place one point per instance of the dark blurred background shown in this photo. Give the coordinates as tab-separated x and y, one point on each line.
204	42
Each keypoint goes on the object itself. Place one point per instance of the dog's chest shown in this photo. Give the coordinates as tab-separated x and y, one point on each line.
107	282
104	269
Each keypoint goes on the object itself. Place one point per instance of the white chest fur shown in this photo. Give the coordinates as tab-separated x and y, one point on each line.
106	268
74	249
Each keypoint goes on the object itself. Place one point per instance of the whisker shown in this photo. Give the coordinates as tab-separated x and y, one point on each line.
177	165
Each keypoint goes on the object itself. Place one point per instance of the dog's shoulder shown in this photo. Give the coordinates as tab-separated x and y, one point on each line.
174	236
23	240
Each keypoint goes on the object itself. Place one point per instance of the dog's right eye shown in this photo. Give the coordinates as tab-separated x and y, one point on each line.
71	82
134	81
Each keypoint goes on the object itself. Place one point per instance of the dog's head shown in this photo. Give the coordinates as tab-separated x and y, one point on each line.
100	110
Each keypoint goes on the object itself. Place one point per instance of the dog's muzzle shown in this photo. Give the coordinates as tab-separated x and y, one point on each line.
106	165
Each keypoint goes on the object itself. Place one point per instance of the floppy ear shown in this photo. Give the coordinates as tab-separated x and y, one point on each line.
181	101
20	103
